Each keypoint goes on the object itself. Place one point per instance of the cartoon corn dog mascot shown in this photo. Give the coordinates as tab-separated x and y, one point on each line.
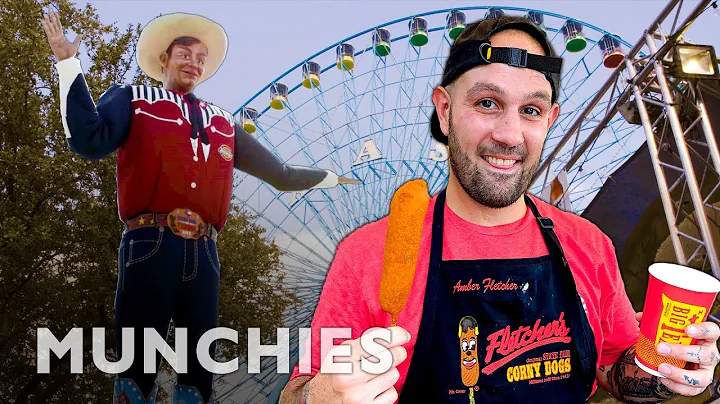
469	366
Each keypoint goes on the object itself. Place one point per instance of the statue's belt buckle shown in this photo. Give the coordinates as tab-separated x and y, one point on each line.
185	223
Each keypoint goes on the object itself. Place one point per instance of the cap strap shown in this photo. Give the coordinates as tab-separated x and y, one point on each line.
521	58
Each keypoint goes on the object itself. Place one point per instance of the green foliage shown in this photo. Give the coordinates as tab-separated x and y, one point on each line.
245	276
59	230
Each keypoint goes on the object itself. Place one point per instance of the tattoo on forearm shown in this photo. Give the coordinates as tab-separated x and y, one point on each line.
607	370
629	383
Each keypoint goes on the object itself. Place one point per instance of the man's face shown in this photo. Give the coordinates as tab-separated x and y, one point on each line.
184	67
496	119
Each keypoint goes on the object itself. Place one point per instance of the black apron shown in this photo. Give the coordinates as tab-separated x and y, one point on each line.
501	330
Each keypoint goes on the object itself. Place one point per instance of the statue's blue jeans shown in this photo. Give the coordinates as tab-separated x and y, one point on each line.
164	277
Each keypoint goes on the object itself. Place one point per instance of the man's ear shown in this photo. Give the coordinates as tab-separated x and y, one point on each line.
553	114
441	99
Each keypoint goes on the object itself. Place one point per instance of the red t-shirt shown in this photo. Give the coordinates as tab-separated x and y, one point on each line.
350	294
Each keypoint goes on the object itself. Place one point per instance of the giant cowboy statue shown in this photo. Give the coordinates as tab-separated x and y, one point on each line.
176	155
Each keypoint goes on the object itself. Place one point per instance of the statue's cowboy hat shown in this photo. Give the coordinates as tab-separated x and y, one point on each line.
159	33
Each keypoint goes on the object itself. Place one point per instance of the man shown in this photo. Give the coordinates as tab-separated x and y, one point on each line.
543	286
175	169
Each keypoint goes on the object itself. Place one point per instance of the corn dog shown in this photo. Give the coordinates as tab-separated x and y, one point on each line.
402	245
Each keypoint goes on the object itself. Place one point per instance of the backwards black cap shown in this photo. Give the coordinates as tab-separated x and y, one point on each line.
473	48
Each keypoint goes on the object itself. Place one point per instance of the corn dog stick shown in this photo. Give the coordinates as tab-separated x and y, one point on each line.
402	245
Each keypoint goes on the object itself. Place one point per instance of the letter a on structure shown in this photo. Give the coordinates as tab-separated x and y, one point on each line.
369	150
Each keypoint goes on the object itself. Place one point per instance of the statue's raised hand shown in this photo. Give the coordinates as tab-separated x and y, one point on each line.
61	47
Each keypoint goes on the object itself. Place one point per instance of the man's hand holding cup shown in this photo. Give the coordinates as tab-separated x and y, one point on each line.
674	331
703	357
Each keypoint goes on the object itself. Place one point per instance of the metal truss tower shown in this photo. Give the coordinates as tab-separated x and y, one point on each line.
682	146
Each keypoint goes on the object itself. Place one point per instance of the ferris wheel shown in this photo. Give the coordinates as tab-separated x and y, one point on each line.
361	107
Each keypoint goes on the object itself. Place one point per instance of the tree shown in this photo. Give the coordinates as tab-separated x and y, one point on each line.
256	282
59	230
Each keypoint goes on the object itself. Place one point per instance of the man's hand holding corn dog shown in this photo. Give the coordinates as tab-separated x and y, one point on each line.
334	385
375	356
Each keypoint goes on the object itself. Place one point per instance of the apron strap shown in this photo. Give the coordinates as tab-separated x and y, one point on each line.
436	242
424	337
546	227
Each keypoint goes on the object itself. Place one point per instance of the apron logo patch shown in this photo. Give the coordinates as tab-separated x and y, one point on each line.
225	152
511	344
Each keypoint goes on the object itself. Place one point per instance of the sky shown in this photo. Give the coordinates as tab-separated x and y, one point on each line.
268	37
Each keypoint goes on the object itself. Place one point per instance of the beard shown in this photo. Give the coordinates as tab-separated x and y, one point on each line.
490	188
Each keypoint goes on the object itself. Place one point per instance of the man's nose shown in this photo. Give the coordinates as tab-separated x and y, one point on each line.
508	130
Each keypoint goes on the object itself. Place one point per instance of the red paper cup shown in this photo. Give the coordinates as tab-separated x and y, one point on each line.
677	296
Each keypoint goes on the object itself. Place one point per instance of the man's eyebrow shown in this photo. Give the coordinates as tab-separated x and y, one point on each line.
543	95
483	86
